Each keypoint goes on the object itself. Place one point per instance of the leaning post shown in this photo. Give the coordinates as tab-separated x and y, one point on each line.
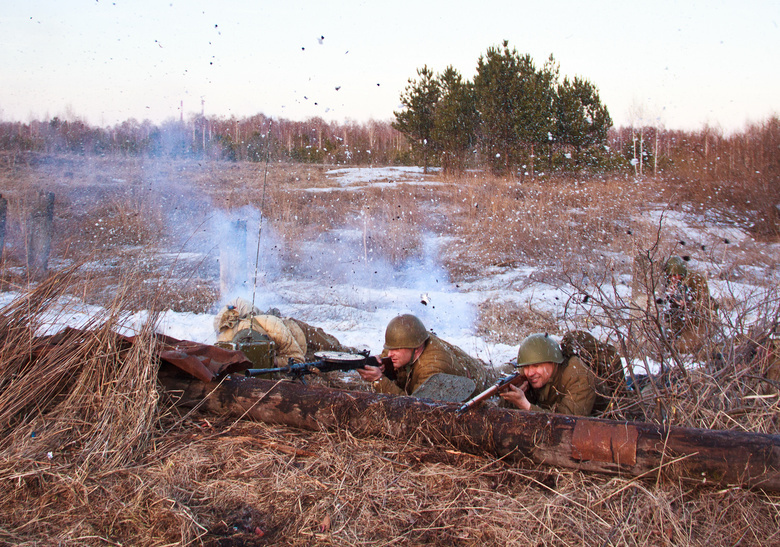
3	214
39	234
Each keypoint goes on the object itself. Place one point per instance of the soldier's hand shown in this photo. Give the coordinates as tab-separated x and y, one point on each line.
370	373
374	361
516	396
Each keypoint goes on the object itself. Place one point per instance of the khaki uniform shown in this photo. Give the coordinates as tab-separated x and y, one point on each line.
438	356
317	339
688	325
294	339
571	390
239	315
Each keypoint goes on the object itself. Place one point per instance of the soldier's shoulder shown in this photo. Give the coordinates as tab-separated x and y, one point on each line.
576	367
436	345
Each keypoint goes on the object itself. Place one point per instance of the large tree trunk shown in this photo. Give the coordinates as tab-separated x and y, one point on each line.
630	448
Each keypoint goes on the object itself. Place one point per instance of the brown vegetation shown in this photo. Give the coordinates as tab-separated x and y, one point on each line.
92	454
126	469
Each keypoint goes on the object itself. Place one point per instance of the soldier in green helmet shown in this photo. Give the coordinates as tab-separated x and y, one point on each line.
688	307
417	355
553	383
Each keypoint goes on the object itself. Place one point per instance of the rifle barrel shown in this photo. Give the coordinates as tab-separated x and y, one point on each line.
492	390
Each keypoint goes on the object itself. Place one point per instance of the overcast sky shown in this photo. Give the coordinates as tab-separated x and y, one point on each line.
681	64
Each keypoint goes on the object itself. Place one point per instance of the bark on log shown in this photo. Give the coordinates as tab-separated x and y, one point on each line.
712	457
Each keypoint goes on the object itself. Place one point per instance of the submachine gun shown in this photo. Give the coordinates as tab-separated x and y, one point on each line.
261	351
328	361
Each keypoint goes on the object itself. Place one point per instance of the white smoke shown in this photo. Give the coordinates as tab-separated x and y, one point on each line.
248	255
330	284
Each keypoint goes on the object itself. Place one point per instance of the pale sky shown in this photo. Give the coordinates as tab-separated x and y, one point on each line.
678	64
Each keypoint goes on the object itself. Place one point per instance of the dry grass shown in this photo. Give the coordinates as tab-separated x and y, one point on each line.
126	469
507	321
89	457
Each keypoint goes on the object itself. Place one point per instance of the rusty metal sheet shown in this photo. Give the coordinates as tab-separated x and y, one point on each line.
203	361
604	442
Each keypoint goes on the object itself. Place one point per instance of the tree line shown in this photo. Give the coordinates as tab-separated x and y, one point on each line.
255	139
513	119
640	151
509	115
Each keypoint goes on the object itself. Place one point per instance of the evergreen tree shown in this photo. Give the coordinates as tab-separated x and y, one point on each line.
495	88
514	101
416	120
581	121
455	121
537	117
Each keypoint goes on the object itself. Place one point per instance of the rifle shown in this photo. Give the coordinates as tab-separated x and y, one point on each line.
328	361
516	378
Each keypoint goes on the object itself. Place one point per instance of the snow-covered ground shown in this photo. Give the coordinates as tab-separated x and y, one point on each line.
356	307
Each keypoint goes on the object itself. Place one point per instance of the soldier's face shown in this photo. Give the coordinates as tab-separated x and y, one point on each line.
539	374
400	357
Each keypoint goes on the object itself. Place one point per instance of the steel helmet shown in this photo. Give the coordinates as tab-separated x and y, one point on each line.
539	348
675	266
405	331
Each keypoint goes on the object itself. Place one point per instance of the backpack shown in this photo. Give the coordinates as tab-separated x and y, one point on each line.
601	357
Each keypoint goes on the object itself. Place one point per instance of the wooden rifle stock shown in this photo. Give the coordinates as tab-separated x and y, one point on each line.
513	379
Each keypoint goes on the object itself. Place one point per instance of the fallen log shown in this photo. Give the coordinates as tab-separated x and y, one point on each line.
713	457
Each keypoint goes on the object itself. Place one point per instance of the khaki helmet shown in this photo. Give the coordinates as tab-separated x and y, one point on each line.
405	331
539	348
675	266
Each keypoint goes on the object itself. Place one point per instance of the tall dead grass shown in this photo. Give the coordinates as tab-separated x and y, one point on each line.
92	454
726	381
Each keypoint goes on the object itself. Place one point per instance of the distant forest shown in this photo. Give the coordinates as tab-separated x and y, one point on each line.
639	150
512	119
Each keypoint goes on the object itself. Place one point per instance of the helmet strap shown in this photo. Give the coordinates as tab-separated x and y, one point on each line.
417	353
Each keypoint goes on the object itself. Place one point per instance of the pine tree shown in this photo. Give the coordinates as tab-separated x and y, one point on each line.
581	121
514	101
416	120
495	87
455	122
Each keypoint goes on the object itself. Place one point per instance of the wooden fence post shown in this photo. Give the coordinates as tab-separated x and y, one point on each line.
3	214
39	233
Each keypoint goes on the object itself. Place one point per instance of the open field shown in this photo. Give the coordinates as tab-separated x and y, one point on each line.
516	256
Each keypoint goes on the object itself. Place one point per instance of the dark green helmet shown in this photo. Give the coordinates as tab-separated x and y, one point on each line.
405	331
675	266
539	348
